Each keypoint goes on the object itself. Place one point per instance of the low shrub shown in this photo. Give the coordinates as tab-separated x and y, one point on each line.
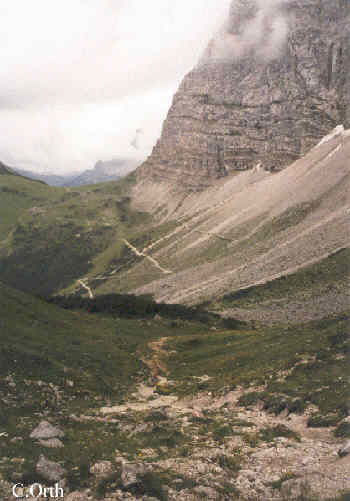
319	421
150	484
269	434
343	430
108	484
232	463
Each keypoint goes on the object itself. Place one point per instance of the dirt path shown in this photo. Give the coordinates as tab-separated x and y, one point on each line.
142	397
142	254
156	363
86	287
166	237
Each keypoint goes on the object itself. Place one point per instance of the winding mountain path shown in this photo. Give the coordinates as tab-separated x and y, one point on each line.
142	254
86	287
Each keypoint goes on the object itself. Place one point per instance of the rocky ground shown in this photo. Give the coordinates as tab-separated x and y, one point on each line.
205	446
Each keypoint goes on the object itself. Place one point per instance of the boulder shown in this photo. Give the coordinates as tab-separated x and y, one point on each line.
51	443
102	469
46	430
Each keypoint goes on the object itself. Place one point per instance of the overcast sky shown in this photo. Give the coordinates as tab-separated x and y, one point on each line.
79	77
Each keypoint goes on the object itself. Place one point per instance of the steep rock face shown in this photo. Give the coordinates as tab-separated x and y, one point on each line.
269	86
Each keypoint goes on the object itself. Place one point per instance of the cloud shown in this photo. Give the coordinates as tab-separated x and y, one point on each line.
258	25
135	143
78	77
66	137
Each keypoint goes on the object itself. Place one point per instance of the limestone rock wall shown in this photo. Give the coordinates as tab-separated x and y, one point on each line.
273	82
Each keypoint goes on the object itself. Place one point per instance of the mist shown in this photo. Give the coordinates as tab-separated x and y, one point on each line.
80	79
258	25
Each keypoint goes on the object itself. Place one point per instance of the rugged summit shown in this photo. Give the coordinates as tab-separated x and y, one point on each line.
272	83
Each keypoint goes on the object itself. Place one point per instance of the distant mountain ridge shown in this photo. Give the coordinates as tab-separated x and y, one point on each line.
11	171
50	179
103	171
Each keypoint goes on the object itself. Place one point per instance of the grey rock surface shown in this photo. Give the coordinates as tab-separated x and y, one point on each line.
51	443
102	469
270	85
46	430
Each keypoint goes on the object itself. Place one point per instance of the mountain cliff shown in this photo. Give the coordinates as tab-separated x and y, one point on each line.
269	86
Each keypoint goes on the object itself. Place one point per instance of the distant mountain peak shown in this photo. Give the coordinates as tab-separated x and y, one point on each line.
103	171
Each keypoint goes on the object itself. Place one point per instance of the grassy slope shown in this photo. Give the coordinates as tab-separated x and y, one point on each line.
50	237
17	194
40	339
313	359
315	355
55	362
330	274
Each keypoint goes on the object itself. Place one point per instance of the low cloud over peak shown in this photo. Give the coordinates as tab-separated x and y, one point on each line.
259	25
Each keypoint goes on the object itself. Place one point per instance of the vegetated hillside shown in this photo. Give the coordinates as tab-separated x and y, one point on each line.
55	362
51	237
300	296
246	230
4	169
186	409
18	195
42	341
271	83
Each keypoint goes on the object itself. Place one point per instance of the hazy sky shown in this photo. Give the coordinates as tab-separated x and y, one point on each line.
78	78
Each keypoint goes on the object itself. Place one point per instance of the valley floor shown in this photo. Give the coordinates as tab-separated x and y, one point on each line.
155	408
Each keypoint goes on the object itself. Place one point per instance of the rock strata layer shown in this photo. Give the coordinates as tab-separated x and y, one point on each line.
272	83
